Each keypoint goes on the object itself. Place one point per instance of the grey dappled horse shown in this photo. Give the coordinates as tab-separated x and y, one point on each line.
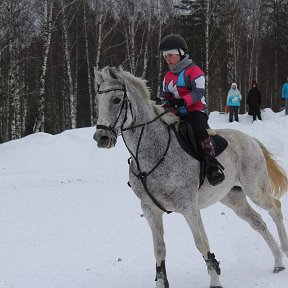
165	178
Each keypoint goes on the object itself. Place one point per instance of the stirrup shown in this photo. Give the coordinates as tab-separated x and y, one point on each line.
219	177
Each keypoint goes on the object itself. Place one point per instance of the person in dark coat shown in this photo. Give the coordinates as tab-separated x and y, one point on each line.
254	101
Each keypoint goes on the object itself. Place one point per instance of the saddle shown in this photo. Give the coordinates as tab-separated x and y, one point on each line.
186	139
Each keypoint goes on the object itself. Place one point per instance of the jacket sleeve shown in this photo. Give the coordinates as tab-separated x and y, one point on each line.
227	101
240	96
283	92
166	94
197	82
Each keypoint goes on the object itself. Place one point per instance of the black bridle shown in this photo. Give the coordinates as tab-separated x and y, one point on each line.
125	103
141	175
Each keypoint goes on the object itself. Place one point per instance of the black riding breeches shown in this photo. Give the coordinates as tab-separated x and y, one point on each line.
199	123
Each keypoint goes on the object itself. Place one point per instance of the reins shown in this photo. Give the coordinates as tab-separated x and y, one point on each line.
147	123
141	175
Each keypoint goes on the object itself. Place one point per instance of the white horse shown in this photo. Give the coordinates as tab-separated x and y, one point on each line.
165	178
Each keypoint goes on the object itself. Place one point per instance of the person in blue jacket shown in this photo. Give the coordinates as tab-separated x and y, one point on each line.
284	95
233	102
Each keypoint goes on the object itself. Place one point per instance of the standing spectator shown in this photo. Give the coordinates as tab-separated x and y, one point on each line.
284	95
254	101
233	102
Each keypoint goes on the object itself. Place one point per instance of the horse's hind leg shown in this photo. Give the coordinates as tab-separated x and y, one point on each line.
194	220
273	206
277	216
236	200
154	219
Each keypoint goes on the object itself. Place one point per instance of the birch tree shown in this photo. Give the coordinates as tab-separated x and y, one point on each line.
104	28
129	22
46	32
133	16
67	52
14	21
232	27
101	10
91	99
146	39
164	12
252	18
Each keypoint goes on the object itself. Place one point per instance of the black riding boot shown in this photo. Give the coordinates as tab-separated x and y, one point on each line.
214	169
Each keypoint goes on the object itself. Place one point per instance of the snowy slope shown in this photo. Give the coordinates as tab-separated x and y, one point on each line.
69	220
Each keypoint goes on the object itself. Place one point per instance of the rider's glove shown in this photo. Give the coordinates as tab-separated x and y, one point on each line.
177	103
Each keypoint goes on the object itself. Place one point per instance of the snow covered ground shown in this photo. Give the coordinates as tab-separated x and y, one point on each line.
69	220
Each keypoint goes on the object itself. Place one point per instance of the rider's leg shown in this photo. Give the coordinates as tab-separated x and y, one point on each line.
198	121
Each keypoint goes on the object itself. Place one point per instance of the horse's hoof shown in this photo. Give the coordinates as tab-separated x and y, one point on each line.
215	287
278	269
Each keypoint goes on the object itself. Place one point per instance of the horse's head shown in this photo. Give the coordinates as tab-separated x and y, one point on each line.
113	107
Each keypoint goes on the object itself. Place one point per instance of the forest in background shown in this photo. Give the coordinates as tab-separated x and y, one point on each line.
50	48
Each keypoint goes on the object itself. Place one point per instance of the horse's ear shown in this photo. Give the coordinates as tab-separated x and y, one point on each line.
98	77
113	72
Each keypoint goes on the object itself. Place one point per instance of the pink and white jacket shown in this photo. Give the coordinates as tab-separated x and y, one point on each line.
187	83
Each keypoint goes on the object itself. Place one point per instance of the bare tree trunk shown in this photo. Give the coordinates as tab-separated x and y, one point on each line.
145	56
76	71
275	76
14	97
92	104
276	31
207	36
47	26
208	11
235	72
131	36
159	77
71	96
99	25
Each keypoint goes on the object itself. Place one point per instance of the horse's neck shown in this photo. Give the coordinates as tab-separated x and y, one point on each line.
154	135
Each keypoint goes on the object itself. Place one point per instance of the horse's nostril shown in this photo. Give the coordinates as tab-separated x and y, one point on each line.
104	138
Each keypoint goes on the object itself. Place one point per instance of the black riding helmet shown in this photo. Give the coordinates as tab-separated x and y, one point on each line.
173	41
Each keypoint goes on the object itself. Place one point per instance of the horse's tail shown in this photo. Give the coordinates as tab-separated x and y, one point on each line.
277	175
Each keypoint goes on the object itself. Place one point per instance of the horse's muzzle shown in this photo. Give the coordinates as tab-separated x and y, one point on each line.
104	139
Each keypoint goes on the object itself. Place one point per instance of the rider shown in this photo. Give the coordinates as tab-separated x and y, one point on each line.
183	90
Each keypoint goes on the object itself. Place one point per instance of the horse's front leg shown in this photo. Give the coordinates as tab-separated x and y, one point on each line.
194	220
154	219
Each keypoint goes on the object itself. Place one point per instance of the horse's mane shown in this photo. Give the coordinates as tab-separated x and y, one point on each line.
168	118
138	82
112	73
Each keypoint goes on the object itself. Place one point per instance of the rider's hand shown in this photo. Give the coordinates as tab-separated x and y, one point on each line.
176	103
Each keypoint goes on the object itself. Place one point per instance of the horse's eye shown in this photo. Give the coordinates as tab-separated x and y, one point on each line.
116	100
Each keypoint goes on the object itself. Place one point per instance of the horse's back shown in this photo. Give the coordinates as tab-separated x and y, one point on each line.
244	166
